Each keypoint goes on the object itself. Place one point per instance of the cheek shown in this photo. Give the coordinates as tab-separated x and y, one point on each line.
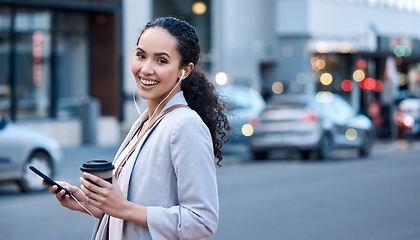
135	67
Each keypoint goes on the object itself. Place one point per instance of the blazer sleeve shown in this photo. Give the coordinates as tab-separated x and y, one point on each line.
196	216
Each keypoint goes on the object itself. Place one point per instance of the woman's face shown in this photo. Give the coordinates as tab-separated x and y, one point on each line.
156	64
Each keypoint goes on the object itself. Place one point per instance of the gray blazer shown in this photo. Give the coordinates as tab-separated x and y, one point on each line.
174	176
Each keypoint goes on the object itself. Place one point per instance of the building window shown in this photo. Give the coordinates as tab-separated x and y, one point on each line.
71	70
32	66
44	63
197	13
5	89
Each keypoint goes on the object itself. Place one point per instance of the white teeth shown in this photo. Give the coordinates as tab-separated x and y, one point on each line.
148	82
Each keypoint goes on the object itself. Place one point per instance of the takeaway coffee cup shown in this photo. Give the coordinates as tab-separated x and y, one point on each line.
99	168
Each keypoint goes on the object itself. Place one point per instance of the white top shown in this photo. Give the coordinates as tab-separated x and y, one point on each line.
115	224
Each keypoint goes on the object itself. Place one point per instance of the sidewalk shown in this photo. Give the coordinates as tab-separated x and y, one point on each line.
387	146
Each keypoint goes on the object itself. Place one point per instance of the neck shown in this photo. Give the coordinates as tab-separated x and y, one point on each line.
152	104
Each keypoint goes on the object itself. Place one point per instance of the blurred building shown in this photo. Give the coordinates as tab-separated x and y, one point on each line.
54	57
60	57
365	50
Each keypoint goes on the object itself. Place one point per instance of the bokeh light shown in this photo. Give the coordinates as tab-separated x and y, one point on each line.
322	47
368	84
277	87
347	85
361	64
402	51
288	51
358	75
221	78
295	86
324	97
302	78
351	134
317	64
247	130
326	79
199	8
379	86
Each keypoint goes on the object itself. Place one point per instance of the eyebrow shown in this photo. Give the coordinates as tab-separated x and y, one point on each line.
156	54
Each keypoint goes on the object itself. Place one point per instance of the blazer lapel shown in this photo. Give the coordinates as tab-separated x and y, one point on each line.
130	163
131	133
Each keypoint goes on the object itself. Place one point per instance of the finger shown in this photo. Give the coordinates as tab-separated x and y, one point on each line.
92	186
88	186
53	189
91	197
97	180
45	183
61	195
87	191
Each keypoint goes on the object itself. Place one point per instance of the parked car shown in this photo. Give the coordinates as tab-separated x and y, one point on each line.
245	104
407	118
21	147
320	123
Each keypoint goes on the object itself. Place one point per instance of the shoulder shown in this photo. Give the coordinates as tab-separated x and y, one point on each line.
185	120
184	115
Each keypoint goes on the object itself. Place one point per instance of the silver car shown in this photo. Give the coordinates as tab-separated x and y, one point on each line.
21	147
311	124
245	104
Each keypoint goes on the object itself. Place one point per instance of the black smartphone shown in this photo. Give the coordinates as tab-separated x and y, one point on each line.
49	180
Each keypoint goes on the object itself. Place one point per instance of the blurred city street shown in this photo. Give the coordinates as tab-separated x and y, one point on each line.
309	85
280	198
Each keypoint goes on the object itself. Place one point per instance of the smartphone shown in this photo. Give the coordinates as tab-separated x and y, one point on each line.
49	180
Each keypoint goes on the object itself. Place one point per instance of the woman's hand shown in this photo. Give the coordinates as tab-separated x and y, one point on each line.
107	197
68	202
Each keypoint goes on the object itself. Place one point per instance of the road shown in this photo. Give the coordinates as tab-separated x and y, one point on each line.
281	198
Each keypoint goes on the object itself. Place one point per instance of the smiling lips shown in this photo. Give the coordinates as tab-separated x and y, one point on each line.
148	81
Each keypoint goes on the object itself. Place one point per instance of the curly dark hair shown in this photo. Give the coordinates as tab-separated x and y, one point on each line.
199	92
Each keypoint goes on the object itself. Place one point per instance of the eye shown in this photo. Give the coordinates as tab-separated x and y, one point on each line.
140	55
162	60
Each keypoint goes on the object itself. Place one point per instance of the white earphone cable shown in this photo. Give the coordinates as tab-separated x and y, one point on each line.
135	102
180	80
96	222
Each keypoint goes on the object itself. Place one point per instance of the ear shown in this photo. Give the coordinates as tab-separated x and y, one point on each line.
188	69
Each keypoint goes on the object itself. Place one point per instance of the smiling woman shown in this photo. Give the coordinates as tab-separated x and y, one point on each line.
164	183
156	65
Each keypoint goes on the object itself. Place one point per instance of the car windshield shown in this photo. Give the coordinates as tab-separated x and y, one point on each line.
242	98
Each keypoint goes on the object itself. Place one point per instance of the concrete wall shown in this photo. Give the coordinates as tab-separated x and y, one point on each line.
69	132
243	36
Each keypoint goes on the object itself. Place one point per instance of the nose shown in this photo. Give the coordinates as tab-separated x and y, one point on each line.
147	67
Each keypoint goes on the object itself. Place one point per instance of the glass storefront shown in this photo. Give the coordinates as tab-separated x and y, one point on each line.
5	88
71	62
32	63
43	63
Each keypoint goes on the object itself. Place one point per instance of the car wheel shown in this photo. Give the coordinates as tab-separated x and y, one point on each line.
325	148
366	146
260	155
30	182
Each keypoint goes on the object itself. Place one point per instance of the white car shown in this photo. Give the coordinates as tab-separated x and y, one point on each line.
21	147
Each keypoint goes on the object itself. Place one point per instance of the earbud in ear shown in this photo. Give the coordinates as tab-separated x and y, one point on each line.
182	74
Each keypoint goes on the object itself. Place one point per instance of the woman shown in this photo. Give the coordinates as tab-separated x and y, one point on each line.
165	181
